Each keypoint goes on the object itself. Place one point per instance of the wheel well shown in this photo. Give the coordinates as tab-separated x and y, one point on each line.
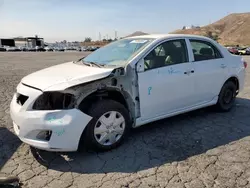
235	81
88	101
101	95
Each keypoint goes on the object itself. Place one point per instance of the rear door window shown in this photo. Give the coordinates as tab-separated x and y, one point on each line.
204	50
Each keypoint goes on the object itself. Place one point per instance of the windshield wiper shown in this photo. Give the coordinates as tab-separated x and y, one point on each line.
80	59
93	63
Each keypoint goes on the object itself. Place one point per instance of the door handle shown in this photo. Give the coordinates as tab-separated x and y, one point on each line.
188	72
223	66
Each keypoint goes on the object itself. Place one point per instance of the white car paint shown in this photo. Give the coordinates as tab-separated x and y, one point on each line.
207	87
62	76
65	123
161	94
180	87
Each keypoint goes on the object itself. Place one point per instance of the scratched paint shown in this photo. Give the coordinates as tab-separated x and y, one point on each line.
53	119
172	71
149	90
59	132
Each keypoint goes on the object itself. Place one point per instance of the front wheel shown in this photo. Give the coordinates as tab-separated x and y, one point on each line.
226	97
109	126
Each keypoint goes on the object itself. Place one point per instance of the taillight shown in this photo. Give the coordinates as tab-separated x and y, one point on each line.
245	64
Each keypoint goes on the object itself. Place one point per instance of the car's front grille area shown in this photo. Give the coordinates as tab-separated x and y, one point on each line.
21	99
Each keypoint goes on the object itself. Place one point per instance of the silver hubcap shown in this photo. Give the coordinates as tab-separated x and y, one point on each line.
109	128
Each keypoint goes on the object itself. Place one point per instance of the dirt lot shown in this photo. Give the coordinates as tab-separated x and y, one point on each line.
194	150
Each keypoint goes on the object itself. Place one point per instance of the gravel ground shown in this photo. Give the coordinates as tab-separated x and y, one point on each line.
194	150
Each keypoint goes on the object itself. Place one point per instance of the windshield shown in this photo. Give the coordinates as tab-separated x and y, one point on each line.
117	53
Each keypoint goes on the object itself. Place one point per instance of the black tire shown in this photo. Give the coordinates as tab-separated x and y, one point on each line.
88	140
226	97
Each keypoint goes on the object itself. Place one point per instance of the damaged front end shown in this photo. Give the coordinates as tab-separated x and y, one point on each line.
54	101
118	86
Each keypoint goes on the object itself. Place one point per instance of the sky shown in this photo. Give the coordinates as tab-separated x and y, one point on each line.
73	20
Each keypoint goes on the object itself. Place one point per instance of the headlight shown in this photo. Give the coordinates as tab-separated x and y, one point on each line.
54	101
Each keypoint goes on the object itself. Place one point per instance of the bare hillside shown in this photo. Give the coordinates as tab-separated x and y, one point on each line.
233	29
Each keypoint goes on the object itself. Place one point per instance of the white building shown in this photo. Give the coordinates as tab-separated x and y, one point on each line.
30	42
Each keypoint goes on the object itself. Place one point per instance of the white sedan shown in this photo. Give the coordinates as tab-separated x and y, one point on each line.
95	101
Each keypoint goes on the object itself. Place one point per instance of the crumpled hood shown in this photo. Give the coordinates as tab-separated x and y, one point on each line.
62	76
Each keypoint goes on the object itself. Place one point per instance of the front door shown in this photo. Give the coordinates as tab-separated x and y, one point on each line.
166	85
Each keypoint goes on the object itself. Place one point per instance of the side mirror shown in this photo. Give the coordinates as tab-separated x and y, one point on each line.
140	66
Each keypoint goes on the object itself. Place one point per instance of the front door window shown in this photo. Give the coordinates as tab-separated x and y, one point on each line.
168	53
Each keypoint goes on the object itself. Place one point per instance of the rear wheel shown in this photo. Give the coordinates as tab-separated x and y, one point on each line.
108	128
226	97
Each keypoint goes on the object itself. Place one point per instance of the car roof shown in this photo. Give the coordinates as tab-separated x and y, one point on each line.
166	36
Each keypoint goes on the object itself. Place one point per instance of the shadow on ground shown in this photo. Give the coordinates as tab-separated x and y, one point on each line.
161	142
9	143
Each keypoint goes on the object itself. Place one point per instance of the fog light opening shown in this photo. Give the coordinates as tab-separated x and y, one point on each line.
44	135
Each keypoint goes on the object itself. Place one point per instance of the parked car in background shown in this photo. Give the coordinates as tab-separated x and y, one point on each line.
97	99
88	48
71	48
79	49
49	49
40	49
84	49
23	48
30	49
233	50
2	49
12	49
91	48
242	50
59	49
248	51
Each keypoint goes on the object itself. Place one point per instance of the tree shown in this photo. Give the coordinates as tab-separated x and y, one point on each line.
87	39
209	34
212	36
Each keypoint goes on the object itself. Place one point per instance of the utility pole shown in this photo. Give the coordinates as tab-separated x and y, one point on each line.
115	34
100	36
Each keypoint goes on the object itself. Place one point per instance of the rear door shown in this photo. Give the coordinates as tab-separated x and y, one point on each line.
210	70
